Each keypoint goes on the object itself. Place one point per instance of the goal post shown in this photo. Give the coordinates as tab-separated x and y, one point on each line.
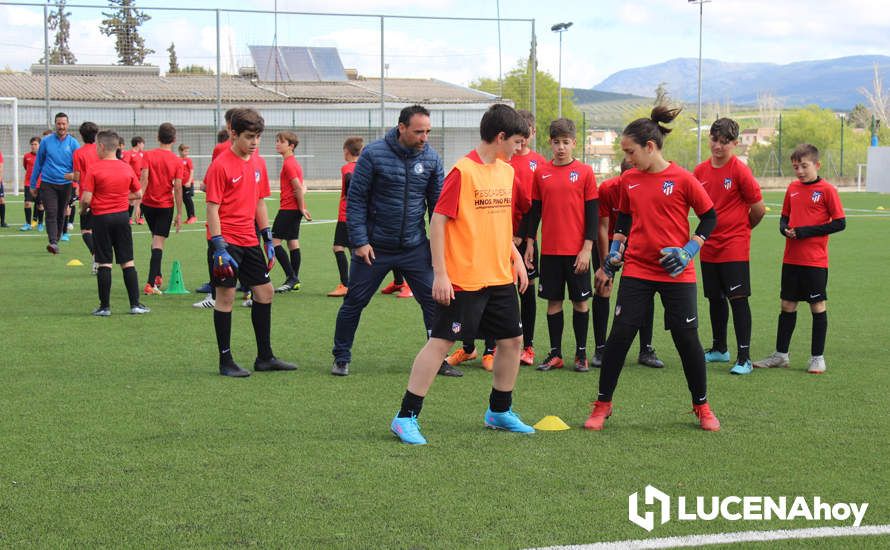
9	108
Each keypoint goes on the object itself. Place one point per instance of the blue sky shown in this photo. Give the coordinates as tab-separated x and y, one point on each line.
607	36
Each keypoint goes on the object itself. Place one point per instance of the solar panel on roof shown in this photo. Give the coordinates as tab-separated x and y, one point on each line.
270	65
297	64
328	64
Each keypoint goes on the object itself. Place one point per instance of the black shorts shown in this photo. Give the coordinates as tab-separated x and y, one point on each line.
725	279
86	219
111	233
492	311
2	191
159	220
341	235
287	225
251	266
801	283
635	302
533	272
557	273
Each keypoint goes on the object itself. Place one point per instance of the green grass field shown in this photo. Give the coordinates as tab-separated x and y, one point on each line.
118	432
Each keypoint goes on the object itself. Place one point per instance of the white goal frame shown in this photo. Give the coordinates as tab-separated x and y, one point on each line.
14	157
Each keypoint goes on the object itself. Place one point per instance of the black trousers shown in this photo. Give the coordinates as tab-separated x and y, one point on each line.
55	200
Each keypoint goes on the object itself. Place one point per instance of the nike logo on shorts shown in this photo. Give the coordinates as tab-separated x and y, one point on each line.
585	293
734	287
814	296
690	319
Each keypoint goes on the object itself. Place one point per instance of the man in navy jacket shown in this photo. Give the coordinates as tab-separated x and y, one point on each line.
396	183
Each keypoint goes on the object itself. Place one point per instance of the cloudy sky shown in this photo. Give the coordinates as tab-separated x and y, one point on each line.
607	36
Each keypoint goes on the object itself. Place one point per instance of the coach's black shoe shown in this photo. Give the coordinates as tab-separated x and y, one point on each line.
448	370
232	369
273	363
340	368
648	358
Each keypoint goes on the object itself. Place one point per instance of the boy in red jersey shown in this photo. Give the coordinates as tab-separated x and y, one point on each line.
291	212
188	183
236	187
28	164
725	272
84	157
352	148
811	211
107	188
653	223
564	200
134	157
476	266
162	183
609	196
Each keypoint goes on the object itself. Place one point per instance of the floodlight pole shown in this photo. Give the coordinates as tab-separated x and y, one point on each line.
560	28
382	85
701	12
49	120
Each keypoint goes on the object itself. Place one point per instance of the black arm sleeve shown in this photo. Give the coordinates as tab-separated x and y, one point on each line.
346	179
534	218
819	230
707	223
591	219
783	225
623	224
522	229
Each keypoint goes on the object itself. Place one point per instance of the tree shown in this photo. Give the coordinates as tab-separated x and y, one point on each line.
878	98
195	69
662	96
517	88
860	116
57	21
123	24
174	63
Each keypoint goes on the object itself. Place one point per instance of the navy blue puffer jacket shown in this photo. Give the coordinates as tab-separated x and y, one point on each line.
391	190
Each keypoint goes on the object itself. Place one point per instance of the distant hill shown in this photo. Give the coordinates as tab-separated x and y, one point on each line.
832	83
583	95
606	109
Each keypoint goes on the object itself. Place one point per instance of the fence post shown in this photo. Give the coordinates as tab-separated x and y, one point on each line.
382	82
49	120
533	62
218	74
584	137
780	146
842	146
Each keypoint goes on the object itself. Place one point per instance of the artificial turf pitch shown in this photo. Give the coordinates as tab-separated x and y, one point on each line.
119	431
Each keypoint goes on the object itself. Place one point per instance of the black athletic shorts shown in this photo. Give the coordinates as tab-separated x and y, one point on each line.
341	235
533	272
287	225
492	311
159	220
557	273
635	302
2	191
111	234
801	283
725	279
86	219
251	266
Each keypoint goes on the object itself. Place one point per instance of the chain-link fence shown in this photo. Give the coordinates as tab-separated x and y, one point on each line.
324	76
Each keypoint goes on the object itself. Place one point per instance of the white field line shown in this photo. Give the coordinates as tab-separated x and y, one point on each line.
733	538
35	233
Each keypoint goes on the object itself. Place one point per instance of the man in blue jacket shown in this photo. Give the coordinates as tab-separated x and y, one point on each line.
54	166
396	182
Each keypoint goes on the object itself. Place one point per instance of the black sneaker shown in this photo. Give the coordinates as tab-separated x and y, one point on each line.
448	370
232	369
288	285
102	311
273	363
648	358
597	360
340	368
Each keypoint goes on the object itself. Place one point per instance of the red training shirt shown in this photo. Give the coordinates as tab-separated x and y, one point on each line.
236	185
733	189
524	166
807	204
563	190
659	204
135	160
163	167
110	181
219	148
28	164
290	169
610	194
345	176
86	157
187	168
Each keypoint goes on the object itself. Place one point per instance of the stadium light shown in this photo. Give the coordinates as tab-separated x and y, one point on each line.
701	12
560	28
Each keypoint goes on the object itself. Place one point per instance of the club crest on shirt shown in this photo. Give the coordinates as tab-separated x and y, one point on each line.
533	165
573	176
256	175
668	187
418	168
817	196
727	183
455	328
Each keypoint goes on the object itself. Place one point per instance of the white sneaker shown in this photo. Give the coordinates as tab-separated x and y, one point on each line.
95	268
776	360
248	300
817	364
207	303
70	226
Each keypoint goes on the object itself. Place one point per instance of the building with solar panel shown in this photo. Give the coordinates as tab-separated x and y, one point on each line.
302	89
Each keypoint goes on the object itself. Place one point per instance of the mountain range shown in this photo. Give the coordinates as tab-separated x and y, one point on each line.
831	83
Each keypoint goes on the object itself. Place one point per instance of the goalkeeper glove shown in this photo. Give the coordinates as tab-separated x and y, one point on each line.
675	259
614	260
224	265
270	248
